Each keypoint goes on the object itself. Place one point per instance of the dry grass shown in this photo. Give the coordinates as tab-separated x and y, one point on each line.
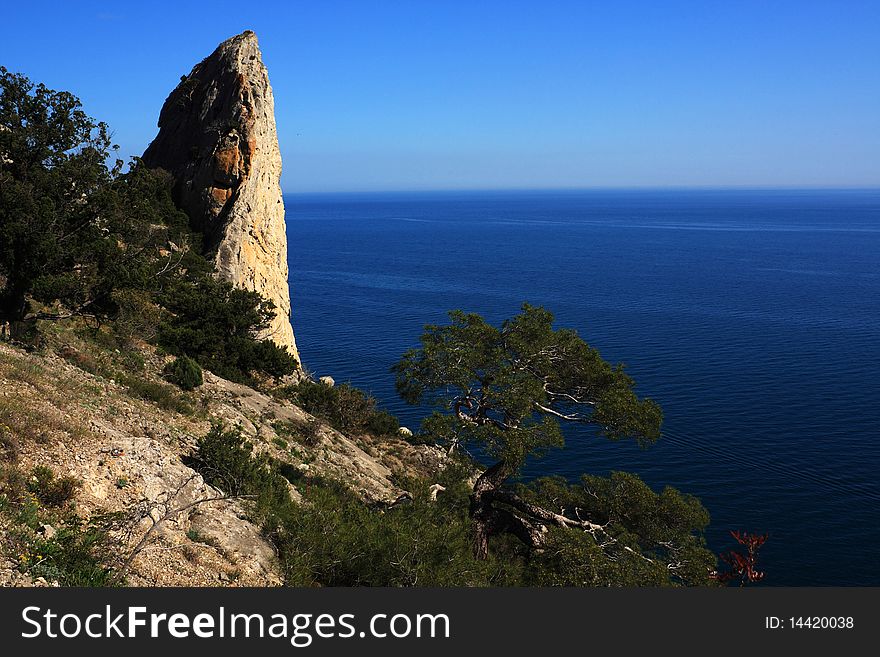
23	423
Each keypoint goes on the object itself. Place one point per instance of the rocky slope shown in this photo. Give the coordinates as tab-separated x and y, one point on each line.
217	137
129	454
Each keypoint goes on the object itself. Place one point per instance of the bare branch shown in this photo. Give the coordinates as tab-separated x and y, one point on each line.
164	512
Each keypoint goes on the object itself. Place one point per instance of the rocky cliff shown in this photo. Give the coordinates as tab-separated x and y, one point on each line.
218	139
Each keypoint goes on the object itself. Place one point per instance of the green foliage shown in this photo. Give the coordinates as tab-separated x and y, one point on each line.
80	238
383	423
52	163
72	229
305	433
76	551
335	539
137	316
651	539
506	390
345	407
225	459
185	373
73	557
50	490
217	325
508	387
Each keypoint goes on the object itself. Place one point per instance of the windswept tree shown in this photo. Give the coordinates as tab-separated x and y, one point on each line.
506	391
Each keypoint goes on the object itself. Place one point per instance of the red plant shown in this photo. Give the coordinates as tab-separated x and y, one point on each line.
742	566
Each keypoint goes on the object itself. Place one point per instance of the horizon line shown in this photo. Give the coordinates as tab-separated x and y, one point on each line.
608	188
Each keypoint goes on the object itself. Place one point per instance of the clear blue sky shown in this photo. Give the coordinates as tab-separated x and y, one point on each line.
384	95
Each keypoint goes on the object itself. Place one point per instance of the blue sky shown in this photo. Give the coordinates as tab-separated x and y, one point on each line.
385	95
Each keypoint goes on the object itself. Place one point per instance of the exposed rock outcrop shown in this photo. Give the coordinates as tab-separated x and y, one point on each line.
218	139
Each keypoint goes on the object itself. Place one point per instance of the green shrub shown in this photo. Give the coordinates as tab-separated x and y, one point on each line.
337	540
134	360
185	373
218	326
137	316
345	407
290	472
305	433
225	459
383	423
75	553
308	433
51	491
73	557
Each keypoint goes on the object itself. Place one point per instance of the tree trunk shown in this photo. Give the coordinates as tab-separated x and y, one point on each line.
528	522
483	515
481	539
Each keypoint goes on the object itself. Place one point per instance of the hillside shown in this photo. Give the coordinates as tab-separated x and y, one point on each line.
125	444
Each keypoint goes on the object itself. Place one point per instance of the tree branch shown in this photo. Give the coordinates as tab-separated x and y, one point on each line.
165	514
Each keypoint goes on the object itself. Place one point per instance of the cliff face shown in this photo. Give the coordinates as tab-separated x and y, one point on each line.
218	139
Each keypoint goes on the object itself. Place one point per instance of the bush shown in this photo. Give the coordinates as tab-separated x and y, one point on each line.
218	326
76	553
66	248
137	317
225	459
337	540
345	407
73	557
185	373
51	491
305	433
383	423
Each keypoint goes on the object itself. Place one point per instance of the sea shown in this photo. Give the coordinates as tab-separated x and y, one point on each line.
751	316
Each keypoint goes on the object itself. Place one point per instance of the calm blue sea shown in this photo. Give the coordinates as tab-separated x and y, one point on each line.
752	317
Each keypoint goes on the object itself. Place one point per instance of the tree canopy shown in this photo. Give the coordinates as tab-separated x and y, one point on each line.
72	227
507	387
506	390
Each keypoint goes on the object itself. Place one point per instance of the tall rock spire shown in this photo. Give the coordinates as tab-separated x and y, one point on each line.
218	139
